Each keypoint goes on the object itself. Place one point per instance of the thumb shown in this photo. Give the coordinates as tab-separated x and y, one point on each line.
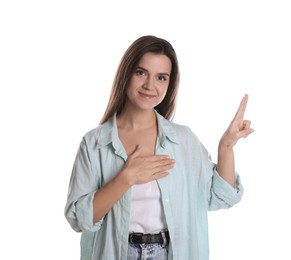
136	152
247	132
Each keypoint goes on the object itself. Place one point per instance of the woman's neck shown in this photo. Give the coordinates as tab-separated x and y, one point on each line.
136	119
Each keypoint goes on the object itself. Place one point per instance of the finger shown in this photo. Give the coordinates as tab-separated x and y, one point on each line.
136	152
158	158
246	132
242	108
163	166
246	124
160	175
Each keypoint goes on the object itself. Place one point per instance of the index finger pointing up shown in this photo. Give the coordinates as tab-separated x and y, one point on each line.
242	108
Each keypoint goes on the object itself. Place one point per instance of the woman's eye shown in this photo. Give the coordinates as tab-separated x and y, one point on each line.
162	78
140	72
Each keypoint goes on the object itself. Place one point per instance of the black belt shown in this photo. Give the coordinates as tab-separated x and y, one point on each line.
141	238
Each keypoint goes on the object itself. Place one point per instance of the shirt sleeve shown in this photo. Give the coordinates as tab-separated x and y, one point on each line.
82	187
222	194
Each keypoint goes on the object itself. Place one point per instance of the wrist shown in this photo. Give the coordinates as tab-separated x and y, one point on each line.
125	178
224	146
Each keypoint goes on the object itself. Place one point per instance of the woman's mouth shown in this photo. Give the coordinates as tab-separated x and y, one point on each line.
147	96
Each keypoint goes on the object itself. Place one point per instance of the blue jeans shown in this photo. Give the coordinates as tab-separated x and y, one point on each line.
147	252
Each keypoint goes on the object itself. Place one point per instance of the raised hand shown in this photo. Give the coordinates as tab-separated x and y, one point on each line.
238	128
143	169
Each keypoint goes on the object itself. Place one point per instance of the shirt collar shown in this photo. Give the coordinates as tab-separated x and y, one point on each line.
166	130
109	132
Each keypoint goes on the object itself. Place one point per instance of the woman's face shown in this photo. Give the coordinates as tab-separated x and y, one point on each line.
149	82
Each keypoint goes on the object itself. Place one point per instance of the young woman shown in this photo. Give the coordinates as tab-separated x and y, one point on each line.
141	185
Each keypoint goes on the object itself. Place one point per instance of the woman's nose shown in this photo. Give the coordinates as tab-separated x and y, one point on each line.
149	84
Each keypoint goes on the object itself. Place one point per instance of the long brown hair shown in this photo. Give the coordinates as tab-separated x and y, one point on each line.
126	68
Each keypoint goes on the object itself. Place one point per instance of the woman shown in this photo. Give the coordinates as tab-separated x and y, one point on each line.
141	185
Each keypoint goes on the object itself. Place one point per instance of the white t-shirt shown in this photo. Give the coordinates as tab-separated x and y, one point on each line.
147	214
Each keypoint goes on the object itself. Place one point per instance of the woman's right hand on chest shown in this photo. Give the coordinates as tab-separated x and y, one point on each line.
142	169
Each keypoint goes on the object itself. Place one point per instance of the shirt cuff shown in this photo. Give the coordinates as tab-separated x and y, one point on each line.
224	191
84	214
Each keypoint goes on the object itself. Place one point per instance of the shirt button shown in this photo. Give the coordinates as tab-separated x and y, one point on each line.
167	200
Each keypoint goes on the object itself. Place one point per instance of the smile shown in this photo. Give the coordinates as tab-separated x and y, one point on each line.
147	96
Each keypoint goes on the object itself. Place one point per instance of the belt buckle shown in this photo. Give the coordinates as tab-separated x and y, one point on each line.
130	239
163	233
132	235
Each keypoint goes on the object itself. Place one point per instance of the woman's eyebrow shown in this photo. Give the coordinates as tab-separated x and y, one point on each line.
160	73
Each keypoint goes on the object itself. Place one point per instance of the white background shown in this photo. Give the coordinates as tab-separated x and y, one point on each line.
57	62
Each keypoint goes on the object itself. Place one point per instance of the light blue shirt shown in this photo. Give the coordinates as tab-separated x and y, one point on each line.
192	188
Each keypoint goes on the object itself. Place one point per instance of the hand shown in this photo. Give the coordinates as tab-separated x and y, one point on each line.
238	127
142	169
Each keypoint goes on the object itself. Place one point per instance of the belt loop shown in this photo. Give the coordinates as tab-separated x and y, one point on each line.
164	238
